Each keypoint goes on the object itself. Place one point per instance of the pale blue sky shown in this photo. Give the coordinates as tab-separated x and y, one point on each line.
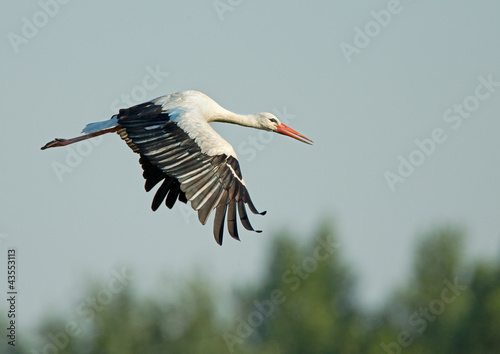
282	56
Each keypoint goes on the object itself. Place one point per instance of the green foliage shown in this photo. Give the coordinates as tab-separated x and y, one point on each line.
316	302
307	303
186	325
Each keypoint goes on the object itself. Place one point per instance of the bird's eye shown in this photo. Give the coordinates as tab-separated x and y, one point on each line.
273	120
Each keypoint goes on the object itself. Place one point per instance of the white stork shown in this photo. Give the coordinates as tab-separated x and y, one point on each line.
178	146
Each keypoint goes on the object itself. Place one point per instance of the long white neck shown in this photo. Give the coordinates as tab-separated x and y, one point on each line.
223	115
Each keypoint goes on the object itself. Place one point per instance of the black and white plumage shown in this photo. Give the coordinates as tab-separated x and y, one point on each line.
180	149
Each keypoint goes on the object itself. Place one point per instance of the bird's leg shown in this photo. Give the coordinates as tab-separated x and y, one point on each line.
64	142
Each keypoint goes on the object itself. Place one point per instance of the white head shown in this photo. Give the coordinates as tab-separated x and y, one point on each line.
269	122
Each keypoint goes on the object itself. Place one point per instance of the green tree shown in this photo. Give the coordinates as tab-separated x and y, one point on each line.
185	324
425	315
479	330
306	302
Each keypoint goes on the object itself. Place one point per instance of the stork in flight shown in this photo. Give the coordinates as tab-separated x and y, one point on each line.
178	146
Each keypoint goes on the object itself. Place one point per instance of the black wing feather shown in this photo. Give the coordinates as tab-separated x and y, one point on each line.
231	220
161	193
220	214
168	154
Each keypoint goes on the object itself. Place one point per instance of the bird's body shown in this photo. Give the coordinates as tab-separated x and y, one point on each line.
179	148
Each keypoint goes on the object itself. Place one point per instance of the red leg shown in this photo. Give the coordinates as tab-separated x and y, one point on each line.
63	142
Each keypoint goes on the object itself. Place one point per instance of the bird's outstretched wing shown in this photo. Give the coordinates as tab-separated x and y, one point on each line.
208	179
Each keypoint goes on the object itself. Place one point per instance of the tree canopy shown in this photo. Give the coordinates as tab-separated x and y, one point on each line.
307	302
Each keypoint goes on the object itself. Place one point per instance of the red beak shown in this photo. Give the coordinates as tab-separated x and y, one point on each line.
286	130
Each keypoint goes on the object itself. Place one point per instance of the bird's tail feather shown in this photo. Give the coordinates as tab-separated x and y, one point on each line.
98	126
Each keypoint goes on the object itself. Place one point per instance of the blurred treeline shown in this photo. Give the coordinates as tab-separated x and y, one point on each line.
307	302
